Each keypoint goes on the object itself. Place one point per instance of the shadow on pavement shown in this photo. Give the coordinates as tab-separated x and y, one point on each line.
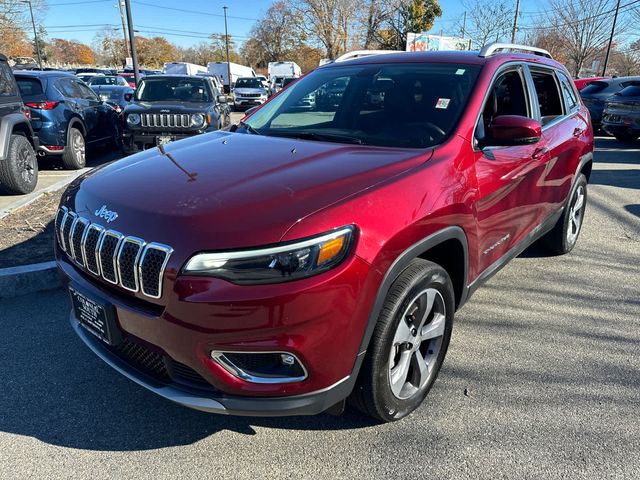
56	390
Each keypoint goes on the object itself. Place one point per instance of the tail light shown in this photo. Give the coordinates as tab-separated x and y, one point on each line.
26	112
43	105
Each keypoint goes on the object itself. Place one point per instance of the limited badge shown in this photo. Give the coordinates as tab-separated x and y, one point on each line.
443	103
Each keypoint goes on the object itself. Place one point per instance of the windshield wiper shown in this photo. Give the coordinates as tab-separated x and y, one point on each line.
248	128
328	137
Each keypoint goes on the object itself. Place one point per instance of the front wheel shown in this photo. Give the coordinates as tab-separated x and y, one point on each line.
564	235
409	343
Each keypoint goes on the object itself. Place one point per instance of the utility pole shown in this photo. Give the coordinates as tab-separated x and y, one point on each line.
124	29
613	30
35	33
515	22
226	41
132	39
464	25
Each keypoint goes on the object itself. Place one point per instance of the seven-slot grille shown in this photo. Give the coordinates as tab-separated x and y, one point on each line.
160	120
126	261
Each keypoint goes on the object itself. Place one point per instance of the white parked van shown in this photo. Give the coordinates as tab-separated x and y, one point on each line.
183	68
220	69
284	69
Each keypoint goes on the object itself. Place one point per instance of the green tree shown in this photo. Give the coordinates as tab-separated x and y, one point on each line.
412	16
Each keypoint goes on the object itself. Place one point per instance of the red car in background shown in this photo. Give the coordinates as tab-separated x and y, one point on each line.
308	255
583	82
130	78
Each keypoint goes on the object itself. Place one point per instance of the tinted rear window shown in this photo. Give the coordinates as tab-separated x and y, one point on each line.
7	85
29	87
595	87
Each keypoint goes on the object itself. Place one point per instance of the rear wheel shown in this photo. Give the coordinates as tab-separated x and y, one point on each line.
73	157
19	171
565	233
409	343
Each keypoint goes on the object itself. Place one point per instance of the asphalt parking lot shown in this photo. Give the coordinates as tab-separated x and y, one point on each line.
542	380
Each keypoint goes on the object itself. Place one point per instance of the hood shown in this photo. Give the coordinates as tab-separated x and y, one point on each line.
167	107
231	190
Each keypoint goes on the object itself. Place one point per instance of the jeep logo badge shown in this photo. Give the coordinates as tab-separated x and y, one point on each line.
108	215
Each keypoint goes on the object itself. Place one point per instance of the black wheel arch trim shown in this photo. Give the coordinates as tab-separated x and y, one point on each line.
400	263
7	125
72	124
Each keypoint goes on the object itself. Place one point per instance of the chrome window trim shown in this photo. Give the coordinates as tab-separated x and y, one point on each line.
140	242
163	248
79	256
100	229
119	236
69	241
219	357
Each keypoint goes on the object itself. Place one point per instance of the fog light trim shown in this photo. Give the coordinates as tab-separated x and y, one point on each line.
221	359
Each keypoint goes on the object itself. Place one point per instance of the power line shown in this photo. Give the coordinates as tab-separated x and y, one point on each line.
195	12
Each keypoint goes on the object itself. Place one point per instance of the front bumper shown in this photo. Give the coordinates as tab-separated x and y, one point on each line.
248	102
134	140
321	322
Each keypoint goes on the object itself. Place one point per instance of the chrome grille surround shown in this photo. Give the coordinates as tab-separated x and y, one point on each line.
127	261
165	120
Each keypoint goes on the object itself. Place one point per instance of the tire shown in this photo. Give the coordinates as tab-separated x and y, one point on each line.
74	156
19	171
393	380
564	235
626	137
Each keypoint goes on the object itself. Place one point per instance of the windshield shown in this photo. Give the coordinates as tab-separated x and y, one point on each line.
396	105
173	90
248	83
108	81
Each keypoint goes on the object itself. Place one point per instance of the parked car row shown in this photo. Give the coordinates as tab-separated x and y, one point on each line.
614	106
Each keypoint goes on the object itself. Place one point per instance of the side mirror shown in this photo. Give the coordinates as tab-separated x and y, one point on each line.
222	99
128	97
509	130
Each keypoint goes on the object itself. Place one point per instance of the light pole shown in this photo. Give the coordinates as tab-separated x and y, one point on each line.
515	22
35	33
613	31
226	40
132	40
124	28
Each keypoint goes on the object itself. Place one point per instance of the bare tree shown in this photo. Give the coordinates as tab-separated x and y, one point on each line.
329	22
488	21
373	16
583	26
276	31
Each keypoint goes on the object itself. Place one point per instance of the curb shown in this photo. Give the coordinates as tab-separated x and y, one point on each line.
32	197
16	281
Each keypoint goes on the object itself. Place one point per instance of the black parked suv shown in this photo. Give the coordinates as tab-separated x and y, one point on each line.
621	116
18	164
170	107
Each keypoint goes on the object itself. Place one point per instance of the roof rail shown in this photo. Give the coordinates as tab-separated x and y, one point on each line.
492	49
362	53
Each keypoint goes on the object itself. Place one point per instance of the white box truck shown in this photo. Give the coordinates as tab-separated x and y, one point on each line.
284	69
183	68
219	69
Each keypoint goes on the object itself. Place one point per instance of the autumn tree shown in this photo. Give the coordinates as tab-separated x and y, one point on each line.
155	52
408	16
71	52
275	32
14	41
110	47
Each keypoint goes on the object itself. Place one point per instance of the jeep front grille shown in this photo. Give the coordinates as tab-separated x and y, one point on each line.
127	261
165	120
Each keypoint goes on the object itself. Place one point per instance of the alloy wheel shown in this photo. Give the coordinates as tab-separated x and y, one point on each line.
417	343
78	146
576	214
27	164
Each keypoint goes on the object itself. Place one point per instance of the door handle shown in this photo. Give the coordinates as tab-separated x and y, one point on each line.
577	132
539	153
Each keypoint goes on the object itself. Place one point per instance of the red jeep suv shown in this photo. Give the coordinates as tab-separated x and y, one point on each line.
310	254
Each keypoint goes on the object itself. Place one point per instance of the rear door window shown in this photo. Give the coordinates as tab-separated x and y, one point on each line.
7	84
548	93
569	95
66	87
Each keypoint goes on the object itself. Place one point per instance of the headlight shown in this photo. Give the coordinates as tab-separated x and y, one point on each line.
133	119
292	261
197	119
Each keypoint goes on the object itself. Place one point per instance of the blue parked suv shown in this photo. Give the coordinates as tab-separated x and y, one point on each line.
67	115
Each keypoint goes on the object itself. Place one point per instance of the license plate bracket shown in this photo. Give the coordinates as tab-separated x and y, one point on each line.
164	139
95	315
